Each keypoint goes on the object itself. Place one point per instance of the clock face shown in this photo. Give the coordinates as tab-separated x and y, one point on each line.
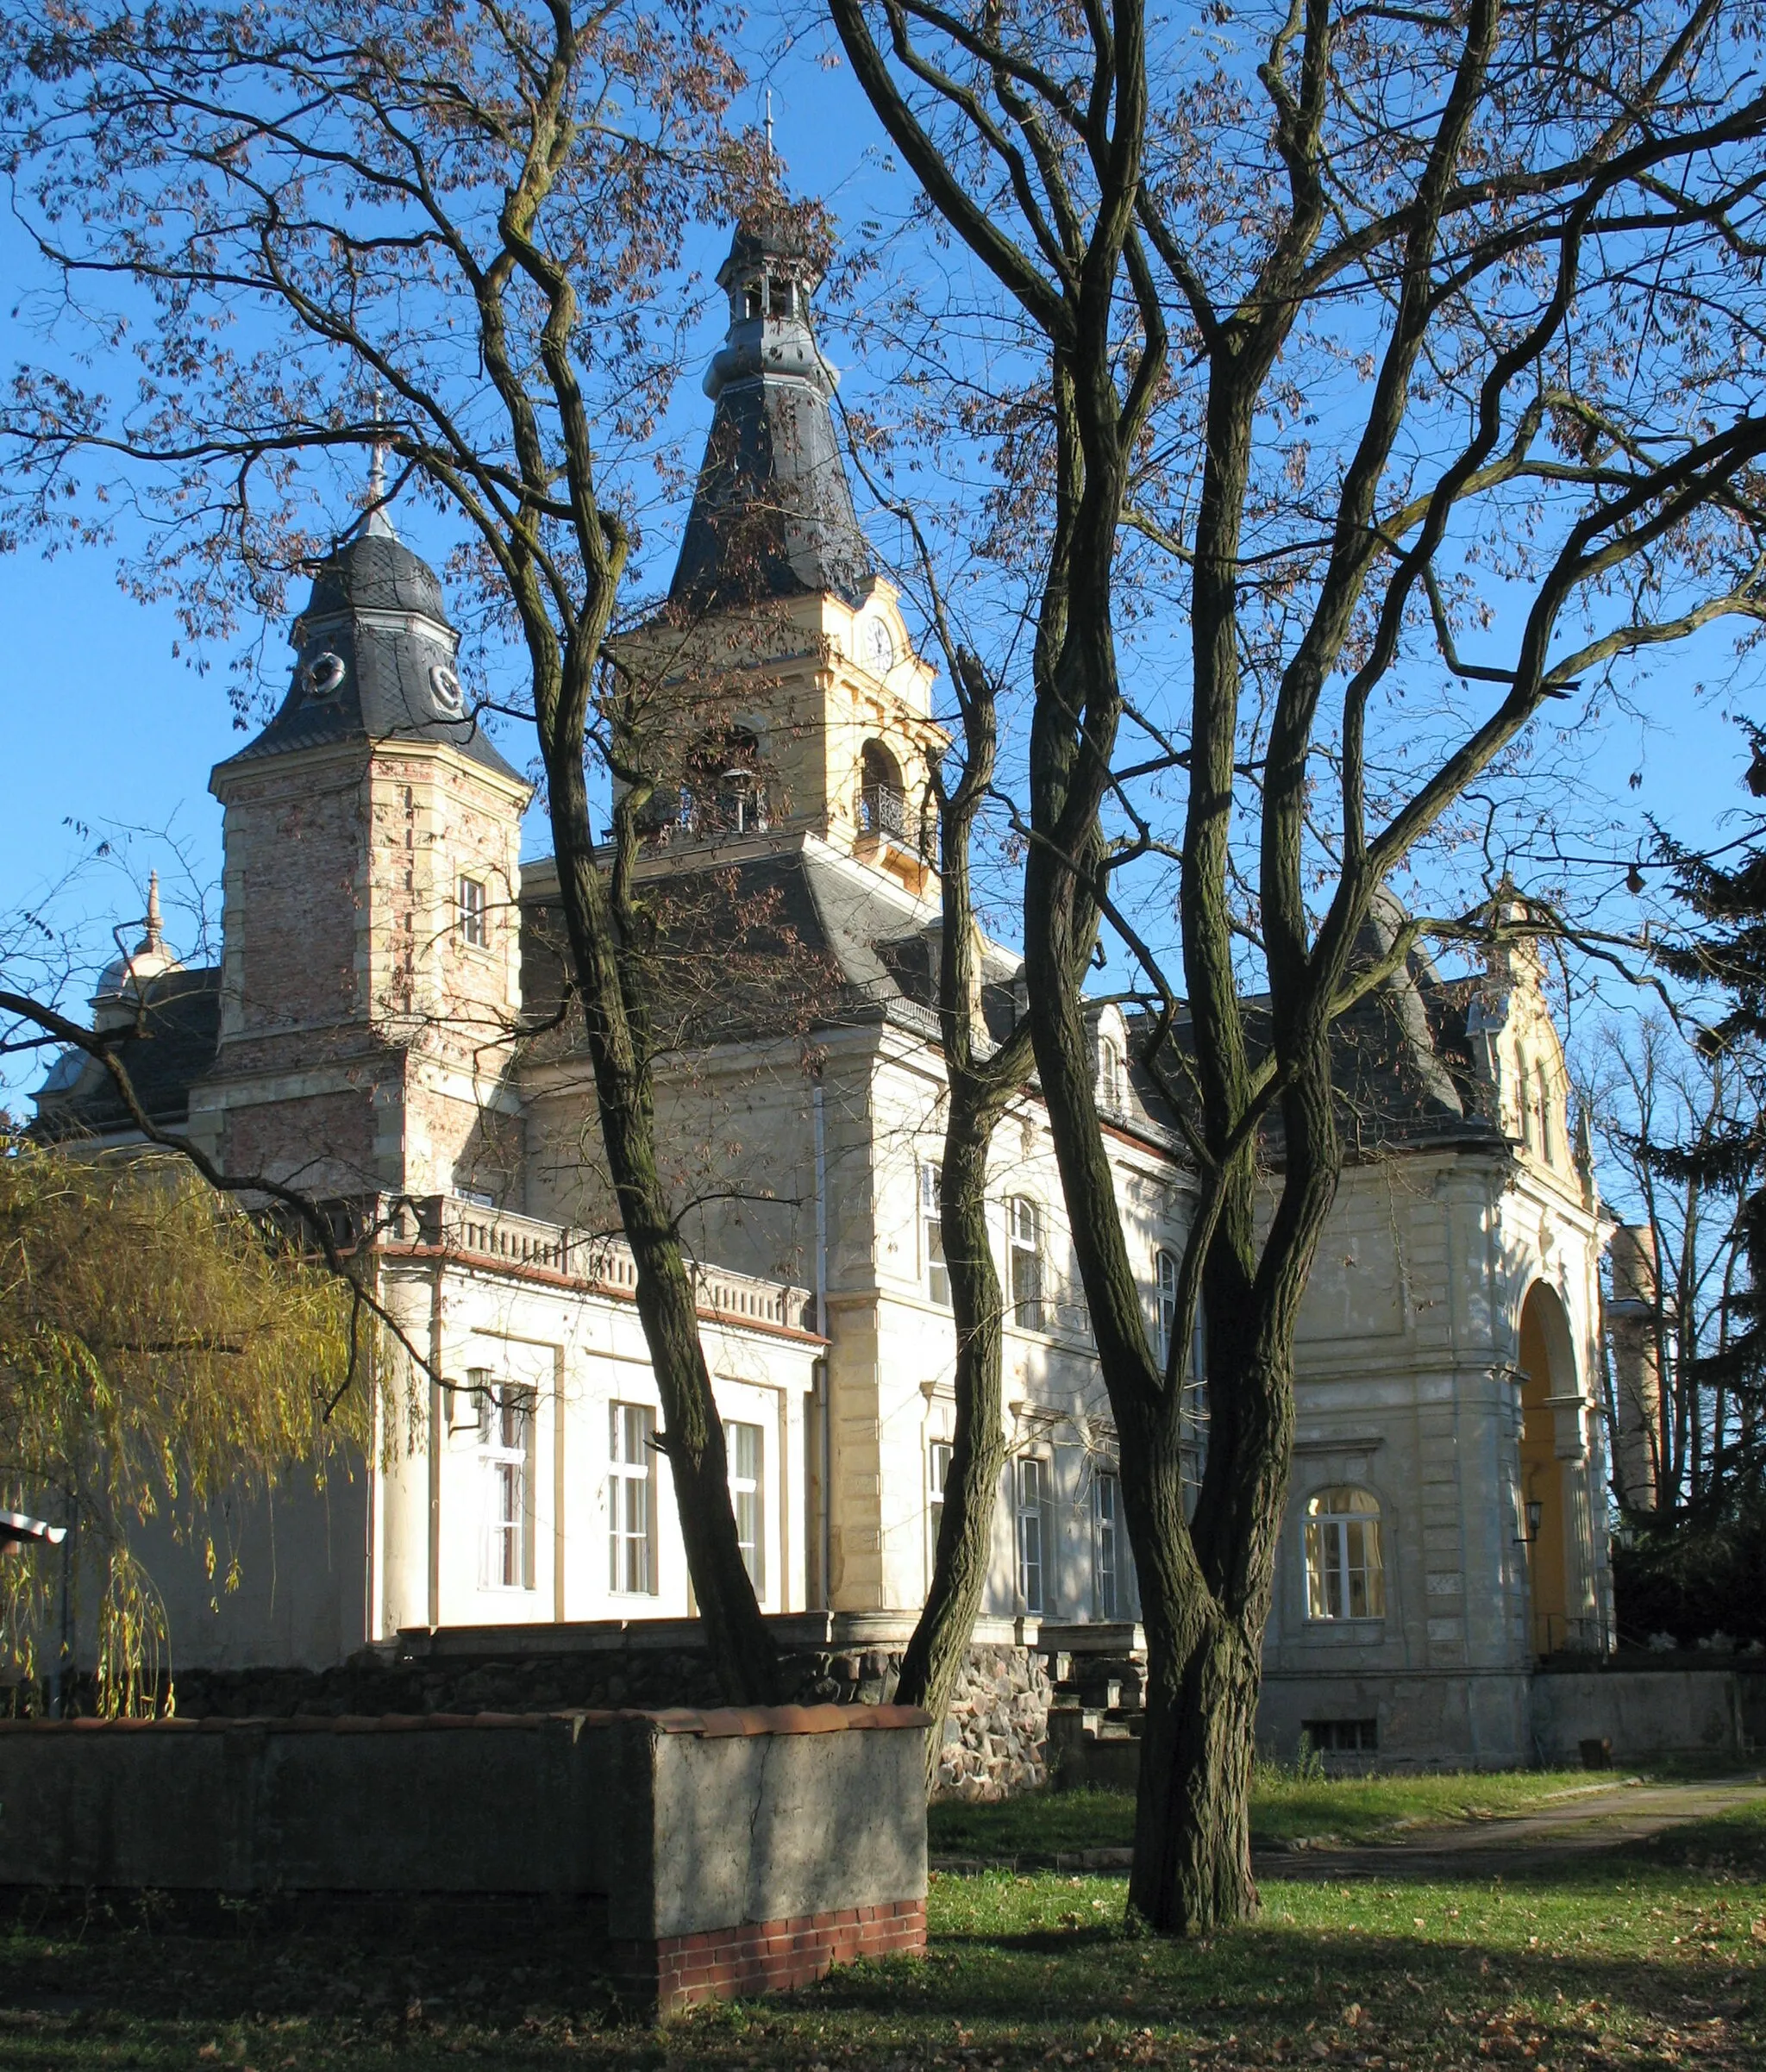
879	647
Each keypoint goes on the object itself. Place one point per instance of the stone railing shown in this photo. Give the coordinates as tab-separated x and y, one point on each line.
497	1237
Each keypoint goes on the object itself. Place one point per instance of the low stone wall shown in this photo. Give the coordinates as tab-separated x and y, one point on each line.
720	1852
1646	1712
995	1735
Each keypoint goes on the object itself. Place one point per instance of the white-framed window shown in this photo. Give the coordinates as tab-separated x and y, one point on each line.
1113	1077
744	1450
474	916
938	1453
1192	1436
1032	1532
1024	1228
506	1422
1165	1274
1345	1574
932	1237
631	1504
1106	1540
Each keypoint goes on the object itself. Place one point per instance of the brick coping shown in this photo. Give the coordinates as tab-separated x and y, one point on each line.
711	1723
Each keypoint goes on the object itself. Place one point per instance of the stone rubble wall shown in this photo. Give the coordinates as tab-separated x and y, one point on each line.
995	1737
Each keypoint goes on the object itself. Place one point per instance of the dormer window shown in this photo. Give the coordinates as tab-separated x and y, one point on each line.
1113	1077
323	676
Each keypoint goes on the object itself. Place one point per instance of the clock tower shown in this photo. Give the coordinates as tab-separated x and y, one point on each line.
787	690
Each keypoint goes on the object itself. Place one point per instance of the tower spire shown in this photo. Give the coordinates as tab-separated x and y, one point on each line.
773	512
379	526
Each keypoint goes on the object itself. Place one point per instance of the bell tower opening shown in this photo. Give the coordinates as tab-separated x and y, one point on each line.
882	795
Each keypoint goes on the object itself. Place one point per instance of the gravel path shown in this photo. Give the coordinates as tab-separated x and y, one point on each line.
1583	1825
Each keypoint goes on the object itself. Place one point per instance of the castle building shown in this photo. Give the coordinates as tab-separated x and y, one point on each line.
387	1027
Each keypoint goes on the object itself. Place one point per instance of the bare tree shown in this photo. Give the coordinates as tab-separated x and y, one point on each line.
1662	1109
1330	313
446	233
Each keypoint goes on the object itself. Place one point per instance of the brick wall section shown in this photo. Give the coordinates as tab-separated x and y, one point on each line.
682	1971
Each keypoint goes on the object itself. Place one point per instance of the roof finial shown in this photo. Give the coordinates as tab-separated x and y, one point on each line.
155	937
379	526
769	129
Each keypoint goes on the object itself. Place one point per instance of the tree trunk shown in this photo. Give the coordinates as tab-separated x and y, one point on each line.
938	1651
743	1656
1193	1833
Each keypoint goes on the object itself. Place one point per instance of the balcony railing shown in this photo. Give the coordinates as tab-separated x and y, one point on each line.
497	1237
883	813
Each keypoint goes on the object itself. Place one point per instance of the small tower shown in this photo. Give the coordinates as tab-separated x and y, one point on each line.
122	984
783	674
371	969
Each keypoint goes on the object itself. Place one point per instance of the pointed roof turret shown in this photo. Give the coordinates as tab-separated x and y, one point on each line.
772	513
124	980
374	654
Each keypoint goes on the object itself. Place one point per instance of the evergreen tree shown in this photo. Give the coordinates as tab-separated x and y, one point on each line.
1721	950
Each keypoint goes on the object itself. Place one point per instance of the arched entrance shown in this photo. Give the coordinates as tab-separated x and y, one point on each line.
1551	1476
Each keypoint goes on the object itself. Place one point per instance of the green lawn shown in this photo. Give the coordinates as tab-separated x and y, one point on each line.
1285	1807
1654	1957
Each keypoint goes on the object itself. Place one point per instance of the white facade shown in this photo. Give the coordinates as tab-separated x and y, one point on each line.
381	1029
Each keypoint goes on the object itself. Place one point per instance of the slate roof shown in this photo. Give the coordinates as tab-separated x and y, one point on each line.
182	1013
773	512
1401	1064
377	607
790	937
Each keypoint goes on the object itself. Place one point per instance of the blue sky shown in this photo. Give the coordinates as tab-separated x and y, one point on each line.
108	727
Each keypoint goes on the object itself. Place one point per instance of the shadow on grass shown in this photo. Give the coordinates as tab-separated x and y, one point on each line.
1642	1957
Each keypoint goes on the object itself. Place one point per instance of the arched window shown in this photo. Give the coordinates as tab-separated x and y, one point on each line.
1024	1225
882	796
1113	1077
1345	1575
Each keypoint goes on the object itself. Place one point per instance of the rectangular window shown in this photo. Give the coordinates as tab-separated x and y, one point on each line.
1032	1503
1344	1575
1025	1231
506	1447
631	1510
1108	1503
932	1237
1342	1736
937	1475
474	921
743	1444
